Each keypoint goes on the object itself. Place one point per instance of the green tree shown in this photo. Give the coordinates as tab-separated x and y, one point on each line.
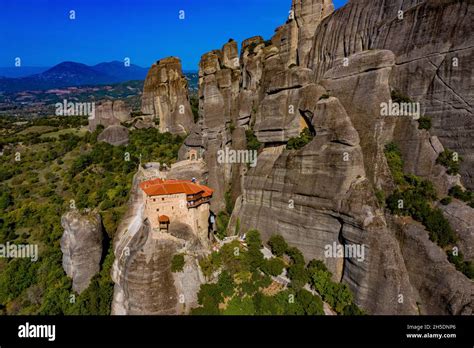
424	122
297	143
298	275
6	199
240	306
273	266
311	304
278	245
450	160
177	263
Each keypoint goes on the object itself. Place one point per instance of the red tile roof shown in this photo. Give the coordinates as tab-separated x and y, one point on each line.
164	218
160	187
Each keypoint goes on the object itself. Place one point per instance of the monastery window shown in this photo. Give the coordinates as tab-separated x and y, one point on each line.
157	209
163	199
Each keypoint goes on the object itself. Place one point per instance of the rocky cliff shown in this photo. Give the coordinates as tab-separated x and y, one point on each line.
114	135
81	245
165	97
144	282
461	219
219	81
440	288
110	113
433	58
328	72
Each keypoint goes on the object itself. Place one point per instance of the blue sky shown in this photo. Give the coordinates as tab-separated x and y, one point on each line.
41	33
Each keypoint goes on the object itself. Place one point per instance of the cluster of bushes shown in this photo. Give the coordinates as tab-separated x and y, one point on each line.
154	146
464	195
399	97
244	275
223	217
466	267
424	122
177	263
252	141
303	139
337	295
450	160
414	197
194	101
222	221
395	162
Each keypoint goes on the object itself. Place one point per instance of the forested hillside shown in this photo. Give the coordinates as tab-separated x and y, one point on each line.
48	167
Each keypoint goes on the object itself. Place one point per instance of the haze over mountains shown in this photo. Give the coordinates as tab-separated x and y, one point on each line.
71	74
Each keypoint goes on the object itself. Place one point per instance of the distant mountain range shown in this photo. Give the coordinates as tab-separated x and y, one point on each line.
68	74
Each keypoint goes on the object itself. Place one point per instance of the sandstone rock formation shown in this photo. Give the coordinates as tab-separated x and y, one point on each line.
165	97
144	283
81	245
114	135
329	72
432	54
219	79
461	219
441	289
361	88
308	15
110	113
314	198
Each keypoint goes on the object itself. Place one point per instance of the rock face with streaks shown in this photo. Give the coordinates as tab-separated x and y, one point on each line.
219	80
433	59
114	135
81	245
441	288
321	196
109	113
461	219
330	72
165	97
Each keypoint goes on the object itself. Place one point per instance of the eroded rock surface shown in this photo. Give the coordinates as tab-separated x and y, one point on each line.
114	135
165	96
81	245
461	219
433	54
328	72
110	113
441	288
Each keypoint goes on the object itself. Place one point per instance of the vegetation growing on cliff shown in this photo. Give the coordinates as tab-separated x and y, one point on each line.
297	143
42	178
464	195
177	263
424	122
450	160
466	267
194	102
414	197
246	282
399	97
252	141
